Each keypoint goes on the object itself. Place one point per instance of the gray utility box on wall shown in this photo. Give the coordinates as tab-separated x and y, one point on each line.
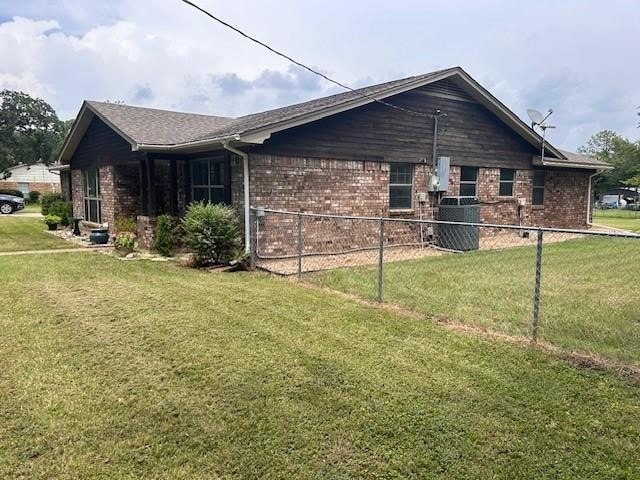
459	237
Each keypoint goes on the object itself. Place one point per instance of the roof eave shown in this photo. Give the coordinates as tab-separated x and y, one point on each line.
581	166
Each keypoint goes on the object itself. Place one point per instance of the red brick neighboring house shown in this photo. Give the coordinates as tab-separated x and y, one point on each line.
342	154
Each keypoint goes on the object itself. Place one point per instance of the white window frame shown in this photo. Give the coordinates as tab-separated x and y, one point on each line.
410	185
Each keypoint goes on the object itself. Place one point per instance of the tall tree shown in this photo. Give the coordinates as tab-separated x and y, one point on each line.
30	130
622	154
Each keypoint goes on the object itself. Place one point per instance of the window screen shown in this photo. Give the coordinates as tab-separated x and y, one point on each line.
507	177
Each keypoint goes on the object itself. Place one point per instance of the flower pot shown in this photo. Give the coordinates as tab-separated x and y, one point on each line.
99	236
124	251
52	226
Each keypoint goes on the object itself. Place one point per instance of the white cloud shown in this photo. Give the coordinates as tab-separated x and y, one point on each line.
575	56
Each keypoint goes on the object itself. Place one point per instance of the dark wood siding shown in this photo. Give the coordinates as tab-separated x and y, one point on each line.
100	145
470	134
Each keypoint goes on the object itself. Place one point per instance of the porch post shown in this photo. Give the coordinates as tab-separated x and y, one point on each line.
143	186
173	180
151	184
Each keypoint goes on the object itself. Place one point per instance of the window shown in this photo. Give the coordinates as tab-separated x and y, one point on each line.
92	202
24	188
468	180
400	186
210	180
507	176
538	187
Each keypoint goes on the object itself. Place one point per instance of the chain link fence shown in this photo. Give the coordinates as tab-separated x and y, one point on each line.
576	290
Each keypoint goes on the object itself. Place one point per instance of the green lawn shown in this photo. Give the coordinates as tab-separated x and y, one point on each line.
31	208
113	369
27	233
590	297
623	219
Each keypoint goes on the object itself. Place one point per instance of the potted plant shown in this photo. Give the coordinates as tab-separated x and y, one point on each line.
124	243
52	221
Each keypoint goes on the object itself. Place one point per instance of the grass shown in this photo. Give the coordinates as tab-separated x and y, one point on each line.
27	233
31	208
622	219
590	297
113	369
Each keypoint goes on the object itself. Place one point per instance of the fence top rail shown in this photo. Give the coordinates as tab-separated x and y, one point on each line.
443	222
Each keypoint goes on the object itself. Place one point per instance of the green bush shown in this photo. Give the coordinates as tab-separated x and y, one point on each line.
34	197
212	232
125	240
46	200
10	191
52	219
125	224
63	209
165	235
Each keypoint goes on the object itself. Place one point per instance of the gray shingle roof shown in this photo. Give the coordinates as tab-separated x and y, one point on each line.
153	127
157	127
580	159
255	121
163	127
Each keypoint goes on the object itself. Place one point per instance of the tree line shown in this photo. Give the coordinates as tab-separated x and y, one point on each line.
622	154
30	131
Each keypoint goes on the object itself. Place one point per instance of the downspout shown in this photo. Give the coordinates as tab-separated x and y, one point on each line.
589	199
245	181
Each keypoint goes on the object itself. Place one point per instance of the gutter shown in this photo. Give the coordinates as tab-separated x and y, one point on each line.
150	147
245	187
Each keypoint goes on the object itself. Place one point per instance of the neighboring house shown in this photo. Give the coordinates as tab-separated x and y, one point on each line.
342	154
32	178
620	196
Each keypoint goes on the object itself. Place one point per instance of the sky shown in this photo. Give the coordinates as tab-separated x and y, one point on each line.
578	57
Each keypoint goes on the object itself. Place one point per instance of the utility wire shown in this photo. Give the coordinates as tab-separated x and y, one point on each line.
300	64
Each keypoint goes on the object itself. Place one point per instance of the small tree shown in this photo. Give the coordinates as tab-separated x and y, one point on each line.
212	232
46	200
165	235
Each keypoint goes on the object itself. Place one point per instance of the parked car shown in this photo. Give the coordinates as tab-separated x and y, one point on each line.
10	203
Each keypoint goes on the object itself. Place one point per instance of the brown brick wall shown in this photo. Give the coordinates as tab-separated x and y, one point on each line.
349	188
77	193
33	186
361	188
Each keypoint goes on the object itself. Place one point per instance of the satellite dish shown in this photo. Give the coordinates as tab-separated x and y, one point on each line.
536	117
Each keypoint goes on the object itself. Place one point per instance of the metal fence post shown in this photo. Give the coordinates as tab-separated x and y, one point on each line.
299	246
254	239
536	288
381	262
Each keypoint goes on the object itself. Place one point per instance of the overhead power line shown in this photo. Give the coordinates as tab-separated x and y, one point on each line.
300	64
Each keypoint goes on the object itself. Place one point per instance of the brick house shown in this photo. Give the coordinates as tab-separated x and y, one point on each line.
31	178
342	154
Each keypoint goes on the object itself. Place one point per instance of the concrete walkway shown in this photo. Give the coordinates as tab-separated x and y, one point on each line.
36	252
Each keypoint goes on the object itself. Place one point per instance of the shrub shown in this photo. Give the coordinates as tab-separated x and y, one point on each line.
165	235
125	240
34	197
52	219
10	191
63	209
212	232
125	224
46	200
